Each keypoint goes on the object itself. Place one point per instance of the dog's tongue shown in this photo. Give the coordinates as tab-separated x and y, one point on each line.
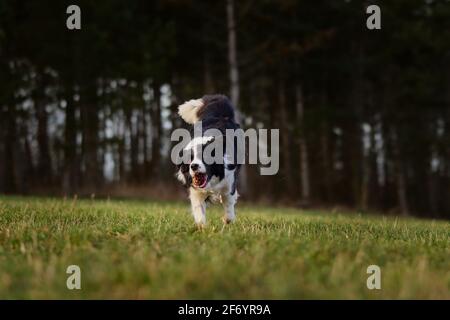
199	180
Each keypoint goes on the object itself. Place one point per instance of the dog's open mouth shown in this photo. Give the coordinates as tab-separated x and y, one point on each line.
199	180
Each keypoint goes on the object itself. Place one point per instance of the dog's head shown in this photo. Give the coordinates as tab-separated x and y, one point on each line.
197	172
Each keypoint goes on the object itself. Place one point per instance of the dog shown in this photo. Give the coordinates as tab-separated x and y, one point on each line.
216	180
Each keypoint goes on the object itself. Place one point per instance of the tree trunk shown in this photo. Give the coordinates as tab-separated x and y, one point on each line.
145	156
69	180
27	173
285	138
90	121
432	194
44	165
121	155
156	130
2	150
232	55
368	141
365	173
208	79
133	174
326	160
304	165
234	80
399	174
10	141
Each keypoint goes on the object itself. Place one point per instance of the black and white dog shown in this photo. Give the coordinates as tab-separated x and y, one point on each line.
210	181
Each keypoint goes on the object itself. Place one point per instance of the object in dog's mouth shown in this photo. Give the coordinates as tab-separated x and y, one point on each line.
199	180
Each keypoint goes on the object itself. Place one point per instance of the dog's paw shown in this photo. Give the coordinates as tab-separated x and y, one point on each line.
200	226
227	219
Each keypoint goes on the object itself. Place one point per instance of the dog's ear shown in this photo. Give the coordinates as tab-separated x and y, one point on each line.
184	167
183	175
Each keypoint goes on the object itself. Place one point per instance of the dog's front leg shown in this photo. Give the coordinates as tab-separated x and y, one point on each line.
229	201
198	207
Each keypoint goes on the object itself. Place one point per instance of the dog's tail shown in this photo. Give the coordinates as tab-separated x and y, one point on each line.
209	106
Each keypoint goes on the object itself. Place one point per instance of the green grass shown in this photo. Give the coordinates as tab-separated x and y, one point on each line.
131	249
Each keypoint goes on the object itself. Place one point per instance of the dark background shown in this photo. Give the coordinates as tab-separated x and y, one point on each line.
364	114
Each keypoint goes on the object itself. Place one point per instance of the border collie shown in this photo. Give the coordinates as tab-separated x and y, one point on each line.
215	181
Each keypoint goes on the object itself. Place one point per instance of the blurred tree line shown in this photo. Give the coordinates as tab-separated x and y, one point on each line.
363	115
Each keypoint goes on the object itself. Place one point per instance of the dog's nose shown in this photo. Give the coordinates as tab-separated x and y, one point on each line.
194	166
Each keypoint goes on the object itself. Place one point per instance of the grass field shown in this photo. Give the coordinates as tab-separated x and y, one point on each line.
132	249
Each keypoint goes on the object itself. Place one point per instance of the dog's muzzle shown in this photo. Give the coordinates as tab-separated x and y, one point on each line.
199	180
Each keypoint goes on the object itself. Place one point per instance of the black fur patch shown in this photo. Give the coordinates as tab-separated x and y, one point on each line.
217	113
216	106
184	169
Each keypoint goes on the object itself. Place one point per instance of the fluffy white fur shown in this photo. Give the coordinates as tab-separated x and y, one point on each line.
181	177
198	141
222	190
188	110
